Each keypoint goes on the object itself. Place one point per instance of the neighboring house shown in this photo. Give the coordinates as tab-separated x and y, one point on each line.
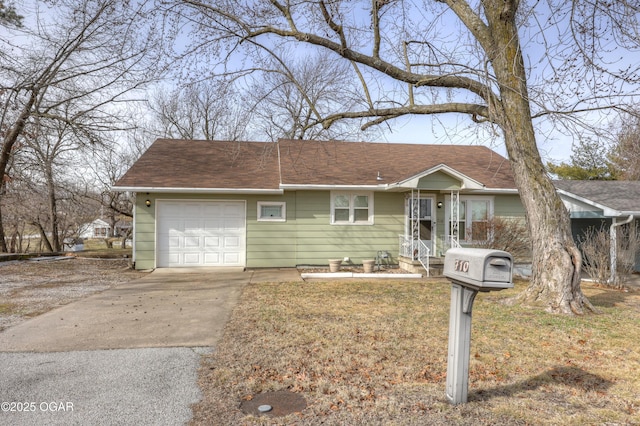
294	202
96	229
99	228
594	204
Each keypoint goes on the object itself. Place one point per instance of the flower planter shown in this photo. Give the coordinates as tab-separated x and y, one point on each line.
368	266
334	265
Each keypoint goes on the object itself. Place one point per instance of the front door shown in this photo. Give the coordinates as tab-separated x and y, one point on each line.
420	219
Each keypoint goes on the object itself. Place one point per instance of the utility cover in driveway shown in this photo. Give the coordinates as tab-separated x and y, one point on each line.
200	233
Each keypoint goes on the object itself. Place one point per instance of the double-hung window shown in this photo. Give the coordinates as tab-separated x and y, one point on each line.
352	208
474	215
479	225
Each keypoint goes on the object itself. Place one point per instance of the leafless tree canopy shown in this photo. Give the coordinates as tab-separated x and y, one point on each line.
62	76
427	57
625	154
207	110
289	100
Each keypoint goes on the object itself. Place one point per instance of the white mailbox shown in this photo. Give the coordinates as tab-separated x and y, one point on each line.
479	269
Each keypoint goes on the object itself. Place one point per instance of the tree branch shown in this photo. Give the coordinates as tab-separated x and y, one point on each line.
335	27
444	81
388	113
375	23
472	21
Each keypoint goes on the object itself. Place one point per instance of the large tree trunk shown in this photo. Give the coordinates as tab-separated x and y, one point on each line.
557	261
3	242
44	240
10	138
53	208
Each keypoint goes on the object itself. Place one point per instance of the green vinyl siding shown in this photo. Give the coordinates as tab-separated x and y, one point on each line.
306	237
439	181
268	244
508	206
145	232
271	244
318	240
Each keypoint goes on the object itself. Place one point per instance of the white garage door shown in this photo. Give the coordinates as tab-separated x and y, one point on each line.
200	233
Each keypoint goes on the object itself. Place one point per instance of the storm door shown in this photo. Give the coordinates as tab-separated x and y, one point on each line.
421	221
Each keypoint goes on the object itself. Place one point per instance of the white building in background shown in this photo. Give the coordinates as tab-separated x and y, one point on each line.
96	229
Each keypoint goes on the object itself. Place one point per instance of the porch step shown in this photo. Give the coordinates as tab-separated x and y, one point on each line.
436	266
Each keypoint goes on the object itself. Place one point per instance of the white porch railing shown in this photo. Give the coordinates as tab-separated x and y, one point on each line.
415	250
453	241
448	242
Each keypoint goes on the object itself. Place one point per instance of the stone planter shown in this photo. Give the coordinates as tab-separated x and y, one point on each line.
368	266
334	265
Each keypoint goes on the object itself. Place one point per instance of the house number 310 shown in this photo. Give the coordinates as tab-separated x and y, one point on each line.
461	265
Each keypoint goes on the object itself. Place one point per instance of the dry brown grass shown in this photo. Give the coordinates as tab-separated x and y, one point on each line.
29	288
375	353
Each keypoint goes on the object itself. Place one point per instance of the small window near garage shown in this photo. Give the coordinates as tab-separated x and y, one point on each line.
351	208
272	211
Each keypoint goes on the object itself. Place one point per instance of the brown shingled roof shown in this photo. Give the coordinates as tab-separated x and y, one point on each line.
254	165
358	163
170	163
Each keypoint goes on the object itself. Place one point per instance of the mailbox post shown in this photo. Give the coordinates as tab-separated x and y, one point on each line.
469	270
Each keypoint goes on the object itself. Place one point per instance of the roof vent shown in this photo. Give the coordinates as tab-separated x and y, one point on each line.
379	177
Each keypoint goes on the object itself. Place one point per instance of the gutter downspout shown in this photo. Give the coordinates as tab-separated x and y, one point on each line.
133	230
613	245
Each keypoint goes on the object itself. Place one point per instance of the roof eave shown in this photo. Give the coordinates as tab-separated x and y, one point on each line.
290	187
606	210
495	191
394	187
466	181
629	213
302	187
174	190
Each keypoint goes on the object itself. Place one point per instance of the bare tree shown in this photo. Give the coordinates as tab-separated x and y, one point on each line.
17	196
51	157
80	60
47	149
289	99
203	110
625	154
108	163
614	157
466	57
36	213
595	245
282	102
508	234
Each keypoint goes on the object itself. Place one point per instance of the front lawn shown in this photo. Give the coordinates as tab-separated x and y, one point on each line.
376	353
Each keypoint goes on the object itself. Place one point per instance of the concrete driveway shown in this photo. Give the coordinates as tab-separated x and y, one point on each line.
167	308
126	356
